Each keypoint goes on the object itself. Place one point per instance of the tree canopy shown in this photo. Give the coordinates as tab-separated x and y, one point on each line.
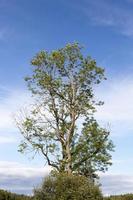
60	124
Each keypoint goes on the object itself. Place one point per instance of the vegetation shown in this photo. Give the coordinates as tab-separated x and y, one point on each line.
62	186
120	197
4	195
66	182
62	84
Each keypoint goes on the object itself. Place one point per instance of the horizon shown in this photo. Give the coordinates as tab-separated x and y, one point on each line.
105	29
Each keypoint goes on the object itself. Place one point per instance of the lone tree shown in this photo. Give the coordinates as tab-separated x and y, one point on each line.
61	122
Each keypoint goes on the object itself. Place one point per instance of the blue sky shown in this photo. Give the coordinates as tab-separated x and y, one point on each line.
105	28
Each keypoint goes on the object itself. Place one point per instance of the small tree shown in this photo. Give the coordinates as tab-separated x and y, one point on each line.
63	84
67	187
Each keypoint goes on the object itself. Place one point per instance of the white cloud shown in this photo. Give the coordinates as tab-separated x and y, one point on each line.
118	108
113	184
17	169
118	97
11	100
20	178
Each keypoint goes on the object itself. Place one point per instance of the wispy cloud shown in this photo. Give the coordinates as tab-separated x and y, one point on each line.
20	178
18	169
110	14
118	107
11	101
113	184
118	97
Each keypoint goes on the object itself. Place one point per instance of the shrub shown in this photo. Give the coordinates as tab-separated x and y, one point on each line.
67	187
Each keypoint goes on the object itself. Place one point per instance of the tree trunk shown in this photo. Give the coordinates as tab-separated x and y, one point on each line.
69	159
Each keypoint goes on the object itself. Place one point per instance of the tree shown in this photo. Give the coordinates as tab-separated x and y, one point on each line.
62	84
63	187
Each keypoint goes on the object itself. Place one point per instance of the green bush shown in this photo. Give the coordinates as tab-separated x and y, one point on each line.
67	187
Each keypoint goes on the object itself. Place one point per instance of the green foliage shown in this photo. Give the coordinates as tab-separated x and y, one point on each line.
67	187
92	150
4	195
62	84
120	197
